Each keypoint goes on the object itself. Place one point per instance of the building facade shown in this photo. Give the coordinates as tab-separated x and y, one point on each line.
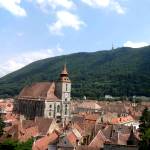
46	99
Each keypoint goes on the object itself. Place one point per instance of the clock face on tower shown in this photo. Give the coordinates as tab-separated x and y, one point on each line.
66	95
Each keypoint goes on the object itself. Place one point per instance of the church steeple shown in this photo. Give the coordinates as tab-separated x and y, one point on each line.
64	77
64	93
64	71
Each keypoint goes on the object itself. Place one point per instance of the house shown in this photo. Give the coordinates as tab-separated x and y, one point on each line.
47	142
125	120
88	106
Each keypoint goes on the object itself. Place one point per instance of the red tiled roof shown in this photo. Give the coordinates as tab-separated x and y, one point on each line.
43	124
121	120
42	143
90	105
98	140
28	133
72	138
92	117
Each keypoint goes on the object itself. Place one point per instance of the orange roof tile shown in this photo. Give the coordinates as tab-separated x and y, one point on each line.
42	143
72	138
98	140
122	120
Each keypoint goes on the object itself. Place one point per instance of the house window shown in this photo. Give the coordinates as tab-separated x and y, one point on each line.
65	109
50	113
50	106
58	108
66	87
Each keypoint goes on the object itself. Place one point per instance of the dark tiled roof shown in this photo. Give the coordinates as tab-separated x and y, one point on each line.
43	124
39	91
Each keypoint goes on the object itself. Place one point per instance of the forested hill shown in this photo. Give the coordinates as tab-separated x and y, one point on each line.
119	72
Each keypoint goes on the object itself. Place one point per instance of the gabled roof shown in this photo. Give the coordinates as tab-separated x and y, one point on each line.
98	140
90	105
43	124
42	143
39	91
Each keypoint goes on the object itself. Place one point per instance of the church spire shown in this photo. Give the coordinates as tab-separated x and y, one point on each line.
64	71
64	77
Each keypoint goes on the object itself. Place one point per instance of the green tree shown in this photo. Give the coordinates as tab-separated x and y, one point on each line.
8	145
16	145
25	145
145	130
2	125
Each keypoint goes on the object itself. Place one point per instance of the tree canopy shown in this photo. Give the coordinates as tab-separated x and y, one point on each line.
2	125
145	130
15	145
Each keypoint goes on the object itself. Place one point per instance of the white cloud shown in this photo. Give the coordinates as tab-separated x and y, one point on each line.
65	19
67	4
97	3
112	4
117	7
135	44
24	59
13	6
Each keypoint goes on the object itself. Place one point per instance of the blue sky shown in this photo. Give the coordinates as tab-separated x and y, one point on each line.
35	29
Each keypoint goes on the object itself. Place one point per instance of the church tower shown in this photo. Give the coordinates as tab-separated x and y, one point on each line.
64	93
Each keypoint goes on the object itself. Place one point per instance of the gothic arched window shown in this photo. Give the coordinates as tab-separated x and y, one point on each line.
66	87
58	108
65	109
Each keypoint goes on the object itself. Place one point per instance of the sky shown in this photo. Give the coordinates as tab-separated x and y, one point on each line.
31	30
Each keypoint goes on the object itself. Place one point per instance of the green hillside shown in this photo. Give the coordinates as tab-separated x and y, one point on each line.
119	72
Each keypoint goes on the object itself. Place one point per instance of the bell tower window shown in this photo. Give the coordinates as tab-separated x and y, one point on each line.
66	87
58	108
65	109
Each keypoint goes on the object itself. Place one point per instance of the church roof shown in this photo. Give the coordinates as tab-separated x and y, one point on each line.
64	71
41	90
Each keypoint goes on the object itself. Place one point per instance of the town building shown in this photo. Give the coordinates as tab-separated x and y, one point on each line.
46	99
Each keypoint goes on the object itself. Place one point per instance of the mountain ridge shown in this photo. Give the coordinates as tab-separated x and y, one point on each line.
119	72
